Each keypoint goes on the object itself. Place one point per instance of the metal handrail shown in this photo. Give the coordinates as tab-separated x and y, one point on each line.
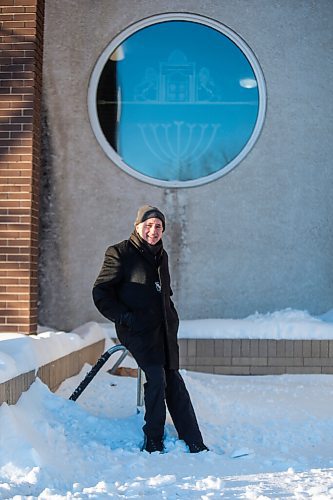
95	369
139	391
98	365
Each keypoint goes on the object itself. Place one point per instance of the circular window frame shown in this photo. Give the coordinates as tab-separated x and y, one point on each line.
144	23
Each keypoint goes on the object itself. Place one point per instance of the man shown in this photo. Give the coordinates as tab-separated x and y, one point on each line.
133	290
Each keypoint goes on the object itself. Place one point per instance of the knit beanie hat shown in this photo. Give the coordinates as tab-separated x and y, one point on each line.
147	212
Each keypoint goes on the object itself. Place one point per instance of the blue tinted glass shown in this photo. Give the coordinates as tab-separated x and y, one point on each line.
178	101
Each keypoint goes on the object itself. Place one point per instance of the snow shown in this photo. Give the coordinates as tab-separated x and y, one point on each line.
287	324
21	353
53	448
269	436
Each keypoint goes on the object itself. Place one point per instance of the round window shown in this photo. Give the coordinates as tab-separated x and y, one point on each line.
177	100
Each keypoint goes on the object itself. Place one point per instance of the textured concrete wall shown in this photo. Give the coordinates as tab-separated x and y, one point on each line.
259	238
256	356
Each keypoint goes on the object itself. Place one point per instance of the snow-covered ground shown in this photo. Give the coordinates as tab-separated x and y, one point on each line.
53	448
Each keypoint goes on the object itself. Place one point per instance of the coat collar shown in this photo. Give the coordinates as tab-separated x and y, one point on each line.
152	253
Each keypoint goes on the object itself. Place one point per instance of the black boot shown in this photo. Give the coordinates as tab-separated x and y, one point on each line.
197	447
152	444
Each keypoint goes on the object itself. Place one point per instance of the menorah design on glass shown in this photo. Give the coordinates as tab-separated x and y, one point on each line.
178	146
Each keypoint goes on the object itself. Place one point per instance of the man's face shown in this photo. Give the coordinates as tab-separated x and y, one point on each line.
150	230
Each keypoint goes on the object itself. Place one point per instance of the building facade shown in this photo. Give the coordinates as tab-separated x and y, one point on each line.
219	113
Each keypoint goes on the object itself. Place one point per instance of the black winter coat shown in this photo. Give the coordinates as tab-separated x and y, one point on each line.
133	290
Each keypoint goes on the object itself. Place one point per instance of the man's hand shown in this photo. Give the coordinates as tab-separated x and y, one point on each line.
127	319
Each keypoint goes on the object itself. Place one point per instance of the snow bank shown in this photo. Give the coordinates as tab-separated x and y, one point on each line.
288	324
24	353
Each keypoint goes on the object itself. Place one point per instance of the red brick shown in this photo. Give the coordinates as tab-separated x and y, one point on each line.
18	320
12	9
27	2
4	328
24	17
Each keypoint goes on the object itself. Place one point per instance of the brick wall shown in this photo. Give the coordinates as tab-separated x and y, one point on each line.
21	44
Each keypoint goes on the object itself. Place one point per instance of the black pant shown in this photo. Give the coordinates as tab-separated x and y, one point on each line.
167	386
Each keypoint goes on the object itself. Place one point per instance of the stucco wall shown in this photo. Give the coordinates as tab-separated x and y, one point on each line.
259	238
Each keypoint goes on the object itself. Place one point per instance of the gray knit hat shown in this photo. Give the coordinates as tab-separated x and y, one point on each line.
147	212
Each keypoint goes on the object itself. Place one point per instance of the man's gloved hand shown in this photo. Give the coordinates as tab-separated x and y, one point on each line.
127	319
